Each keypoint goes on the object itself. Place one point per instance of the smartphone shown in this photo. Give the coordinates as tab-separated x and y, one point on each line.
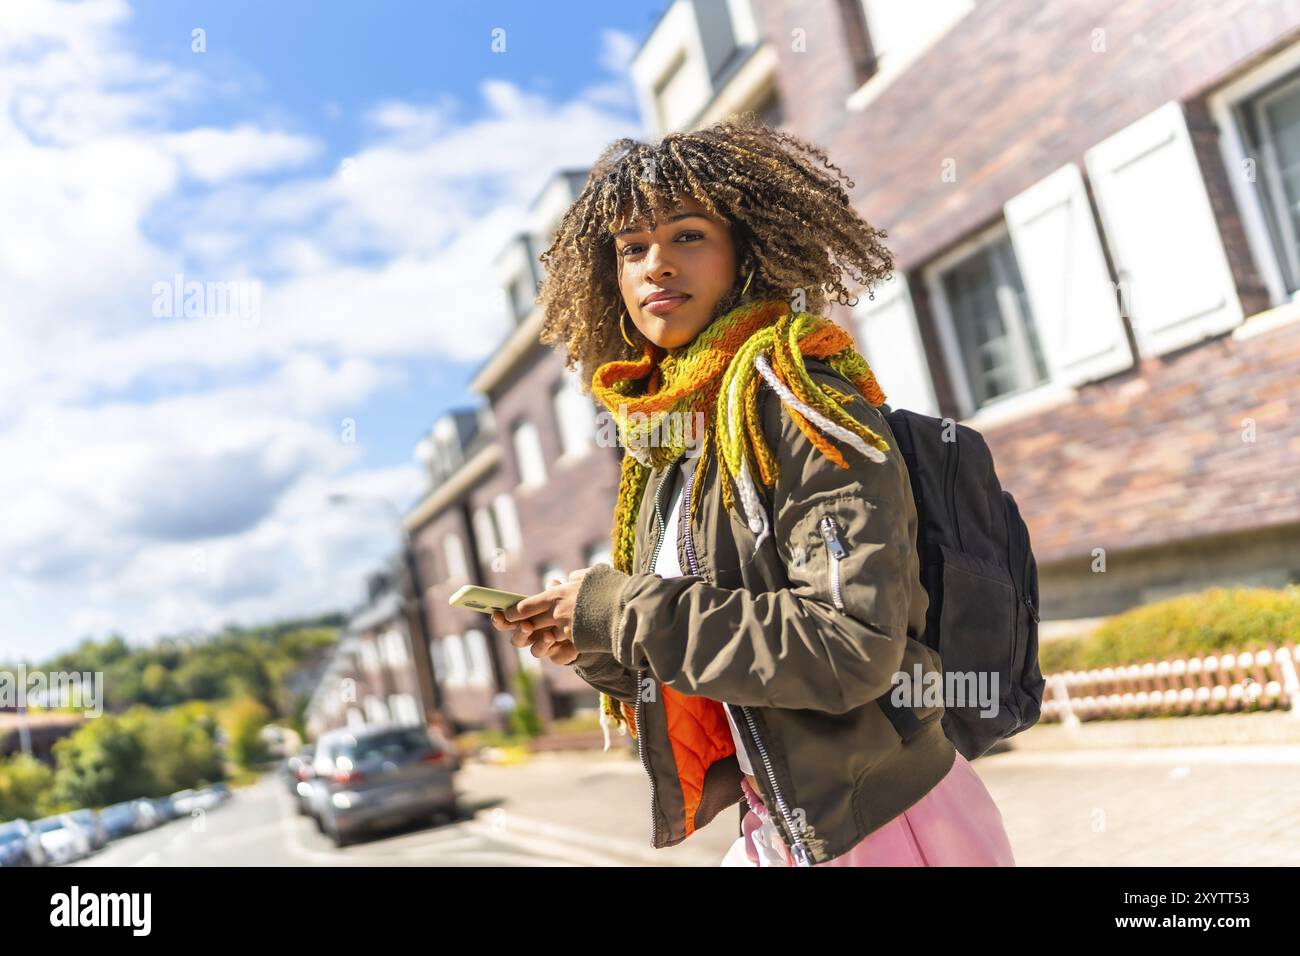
483	599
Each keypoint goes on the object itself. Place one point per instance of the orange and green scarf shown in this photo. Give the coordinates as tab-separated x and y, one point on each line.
658	401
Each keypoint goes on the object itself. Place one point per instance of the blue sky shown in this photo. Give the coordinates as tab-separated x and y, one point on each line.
351	169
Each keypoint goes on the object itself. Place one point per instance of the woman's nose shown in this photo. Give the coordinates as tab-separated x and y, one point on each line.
657	265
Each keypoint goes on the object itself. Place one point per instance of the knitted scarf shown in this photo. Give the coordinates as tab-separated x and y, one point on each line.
658	401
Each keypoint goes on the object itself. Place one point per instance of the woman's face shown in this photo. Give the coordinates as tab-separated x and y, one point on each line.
690	258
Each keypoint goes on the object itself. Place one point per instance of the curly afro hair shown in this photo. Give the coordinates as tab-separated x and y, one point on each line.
791	220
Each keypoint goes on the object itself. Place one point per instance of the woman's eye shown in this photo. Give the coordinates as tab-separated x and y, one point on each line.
633	248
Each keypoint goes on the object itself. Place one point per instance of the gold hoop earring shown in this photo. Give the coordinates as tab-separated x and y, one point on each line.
623	329
745	288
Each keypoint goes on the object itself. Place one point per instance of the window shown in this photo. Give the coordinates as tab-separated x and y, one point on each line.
521	298
575	417
901	32
369	655
485	533
376	710
677	95
599	554
528	455
404	709
507	522
454	552
455	668
1274	122
478	663
439	659
396	648
996	339
1255	118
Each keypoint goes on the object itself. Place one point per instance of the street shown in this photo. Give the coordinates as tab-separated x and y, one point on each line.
1159	806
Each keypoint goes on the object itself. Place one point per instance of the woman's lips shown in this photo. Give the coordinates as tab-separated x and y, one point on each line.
660	306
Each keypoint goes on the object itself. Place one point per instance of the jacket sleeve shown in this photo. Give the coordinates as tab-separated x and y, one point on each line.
607	675
792	647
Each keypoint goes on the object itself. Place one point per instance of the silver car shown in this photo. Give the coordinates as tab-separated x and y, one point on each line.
89	821
20	845
62	839
381	776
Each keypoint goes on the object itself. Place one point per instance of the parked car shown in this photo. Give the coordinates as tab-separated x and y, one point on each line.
165	809
297	771
95	830
380	776
207	798
147	814
222	791
184	801
62	839
120	819
20	845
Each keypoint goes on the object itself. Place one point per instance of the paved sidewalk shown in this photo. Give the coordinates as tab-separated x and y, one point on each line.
1206	806
1203	806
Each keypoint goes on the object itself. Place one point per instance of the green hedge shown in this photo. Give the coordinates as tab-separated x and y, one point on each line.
1217	619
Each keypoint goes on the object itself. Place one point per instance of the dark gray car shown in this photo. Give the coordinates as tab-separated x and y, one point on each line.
383	776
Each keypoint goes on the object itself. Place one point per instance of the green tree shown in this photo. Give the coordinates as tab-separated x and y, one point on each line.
243	720
523	720
25	786
100	763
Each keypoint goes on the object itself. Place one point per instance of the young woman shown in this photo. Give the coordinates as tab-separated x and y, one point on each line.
765	592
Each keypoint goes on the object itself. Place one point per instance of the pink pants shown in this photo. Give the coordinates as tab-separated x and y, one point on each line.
955	824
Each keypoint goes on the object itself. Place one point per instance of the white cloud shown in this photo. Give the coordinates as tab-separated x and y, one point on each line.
164	473
214	155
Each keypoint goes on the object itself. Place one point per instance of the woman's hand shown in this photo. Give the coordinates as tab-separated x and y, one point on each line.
545	620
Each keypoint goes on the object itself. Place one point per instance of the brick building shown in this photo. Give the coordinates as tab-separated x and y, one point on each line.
520	493
371	677
1092	212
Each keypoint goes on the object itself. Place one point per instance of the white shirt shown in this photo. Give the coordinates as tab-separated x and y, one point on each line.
667	565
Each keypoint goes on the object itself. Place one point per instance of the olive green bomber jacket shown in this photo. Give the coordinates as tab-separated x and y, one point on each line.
802	640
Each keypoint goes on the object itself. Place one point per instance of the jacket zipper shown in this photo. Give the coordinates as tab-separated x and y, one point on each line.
835	550
800	851
639	708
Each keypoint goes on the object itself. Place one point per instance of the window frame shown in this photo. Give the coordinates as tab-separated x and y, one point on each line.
525	484
1226	105
1012	404
568	385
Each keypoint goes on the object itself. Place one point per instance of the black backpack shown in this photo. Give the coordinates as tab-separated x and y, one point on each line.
979	571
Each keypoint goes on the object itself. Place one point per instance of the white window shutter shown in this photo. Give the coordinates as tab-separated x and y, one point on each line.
1064	272
1169	258
891	344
